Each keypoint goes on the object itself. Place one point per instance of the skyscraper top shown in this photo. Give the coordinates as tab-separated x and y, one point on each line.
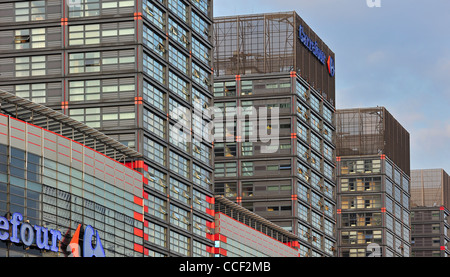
273	43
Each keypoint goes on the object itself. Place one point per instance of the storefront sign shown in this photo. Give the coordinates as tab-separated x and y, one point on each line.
88	250
18	232
27	234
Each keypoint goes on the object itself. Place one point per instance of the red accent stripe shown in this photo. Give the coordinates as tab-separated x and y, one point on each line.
138	216
138	248
138	232
138	201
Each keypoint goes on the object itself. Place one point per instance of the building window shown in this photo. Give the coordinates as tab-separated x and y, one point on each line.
225	149
156	234
179	164
301	91
29	11
228	189
201	102
315	103
200	76
180	113
179	243
152	13
201	51
178	59
154	41
30	38
84	62
105	116
202	177
179	8
154	96
93	8
30	66
178	33
154	69
154	123
33	92
247	169
179	86
179	191
224	89
101	89
156	207
200	26
156	179
203	5
225	169
200	202
154	151
96	33
179	217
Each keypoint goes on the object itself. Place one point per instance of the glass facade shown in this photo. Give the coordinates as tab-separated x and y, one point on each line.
305	150
373	208
60	192
132	70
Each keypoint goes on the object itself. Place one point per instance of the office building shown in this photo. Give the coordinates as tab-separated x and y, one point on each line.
279	166
373	178
62	184
429	213
132	70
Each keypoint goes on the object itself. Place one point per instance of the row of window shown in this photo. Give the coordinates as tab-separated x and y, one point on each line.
249	87
174	241
158	17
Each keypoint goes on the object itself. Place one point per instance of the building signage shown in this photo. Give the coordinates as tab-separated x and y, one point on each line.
88	250
18	232
313	46
28	234
330	64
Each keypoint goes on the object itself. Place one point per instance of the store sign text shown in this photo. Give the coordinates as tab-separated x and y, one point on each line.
312	45
28	234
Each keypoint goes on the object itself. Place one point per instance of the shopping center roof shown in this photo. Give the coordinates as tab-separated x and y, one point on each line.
64	125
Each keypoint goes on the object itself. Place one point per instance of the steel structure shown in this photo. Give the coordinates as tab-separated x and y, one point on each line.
430	188
372	131
63	125
266	44
429	212
373	198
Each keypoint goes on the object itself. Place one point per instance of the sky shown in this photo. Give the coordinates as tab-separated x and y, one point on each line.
396	55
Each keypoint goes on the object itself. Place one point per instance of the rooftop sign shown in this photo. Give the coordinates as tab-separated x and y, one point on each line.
313	47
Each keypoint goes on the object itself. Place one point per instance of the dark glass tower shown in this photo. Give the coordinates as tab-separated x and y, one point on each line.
131	69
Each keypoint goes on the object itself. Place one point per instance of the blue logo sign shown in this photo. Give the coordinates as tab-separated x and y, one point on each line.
28	234
17	231
313	46
88	250
330	64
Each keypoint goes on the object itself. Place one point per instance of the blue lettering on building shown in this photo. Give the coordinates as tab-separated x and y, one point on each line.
330	64
28	234
314	48
311	45
88	251
17	231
